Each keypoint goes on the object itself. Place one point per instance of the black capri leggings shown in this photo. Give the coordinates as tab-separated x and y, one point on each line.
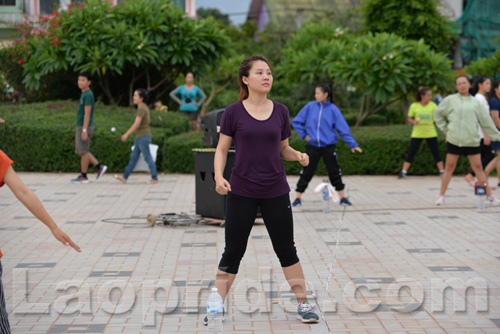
415	145
240	217
329	155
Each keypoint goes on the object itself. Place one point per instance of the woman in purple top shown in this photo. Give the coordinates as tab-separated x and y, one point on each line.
260	129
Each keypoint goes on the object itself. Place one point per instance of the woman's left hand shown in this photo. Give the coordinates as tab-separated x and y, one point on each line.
124	137
356	149
303	158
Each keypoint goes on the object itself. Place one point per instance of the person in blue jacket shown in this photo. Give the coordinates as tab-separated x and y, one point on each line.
318	123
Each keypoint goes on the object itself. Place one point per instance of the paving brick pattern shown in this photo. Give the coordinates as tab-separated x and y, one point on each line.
402	265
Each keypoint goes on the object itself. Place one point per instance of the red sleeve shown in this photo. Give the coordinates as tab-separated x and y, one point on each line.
5	162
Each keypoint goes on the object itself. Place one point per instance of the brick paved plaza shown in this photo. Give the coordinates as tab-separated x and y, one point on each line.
397	252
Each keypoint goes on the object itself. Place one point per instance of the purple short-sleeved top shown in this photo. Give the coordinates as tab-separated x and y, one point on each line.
258	170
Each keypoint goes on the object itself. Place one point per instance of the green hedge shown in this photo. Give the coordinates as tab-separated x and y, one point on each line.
40	137
384	150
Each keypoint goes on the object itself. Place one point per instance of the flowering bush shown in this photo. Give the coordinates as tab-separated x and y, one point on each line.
137	43
13	58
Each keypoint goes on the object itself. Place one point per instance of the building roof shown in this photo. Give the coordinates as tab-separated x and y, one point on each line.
287	13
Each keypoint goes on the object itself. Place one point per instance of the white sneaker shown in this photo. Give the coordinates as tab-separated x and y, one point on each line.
440	200
492	199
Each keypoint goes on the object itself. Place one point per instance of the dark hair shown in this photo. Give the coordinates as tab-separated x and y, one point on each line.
421	92
479	80
86	75
156	100
495	85
144	94
326	88
244	71
461	76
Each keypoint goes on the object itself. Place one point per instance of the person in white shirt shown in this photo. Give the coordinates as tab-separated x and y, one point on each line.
481	87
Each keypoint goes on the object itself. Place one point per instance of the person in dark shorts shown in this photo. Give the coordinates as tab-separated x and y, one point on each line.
457	116
260	129
85	130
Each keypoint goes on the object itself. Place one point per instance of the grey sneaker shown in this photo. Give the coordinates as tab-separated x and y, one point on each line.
80	179
305	313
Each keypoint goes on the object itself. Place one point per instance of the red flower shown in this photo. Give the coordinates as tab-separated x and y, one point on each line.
20	61
81	6
55	41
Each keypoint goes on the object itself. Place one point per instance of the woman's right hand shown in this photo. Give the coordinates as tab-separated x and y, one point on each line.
222	186
308	138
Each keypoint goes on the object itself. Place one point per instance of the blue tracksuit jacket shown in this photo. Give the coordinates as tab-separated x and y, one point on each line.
321	121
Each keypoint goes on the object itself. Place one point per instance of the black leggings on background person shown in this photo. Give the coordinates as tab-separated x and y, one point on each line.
415	145
329	154
240	216
486	156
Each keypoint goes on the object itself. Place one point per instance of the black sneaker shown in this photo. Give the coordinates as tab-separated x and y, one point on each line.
80	179
297	202
345	201
101	171
401	175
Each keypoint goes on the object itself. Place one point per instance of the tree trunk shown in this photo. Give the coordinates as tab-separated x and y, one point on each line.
131	87
131	90
204	108
364	115
213	92
406	107
104	82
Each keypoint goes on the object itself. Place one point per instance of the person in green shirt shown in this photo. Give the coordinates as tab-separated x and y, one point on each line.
85	129
421	116
458	116
159	106
142	138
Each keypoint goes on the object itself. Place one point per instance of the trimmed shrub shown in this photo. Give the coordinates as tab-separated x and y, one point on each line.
384	150
40	137
178	152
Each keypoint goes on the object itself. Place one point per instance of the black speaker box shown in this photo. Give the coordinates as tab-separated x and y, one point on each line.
208	202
